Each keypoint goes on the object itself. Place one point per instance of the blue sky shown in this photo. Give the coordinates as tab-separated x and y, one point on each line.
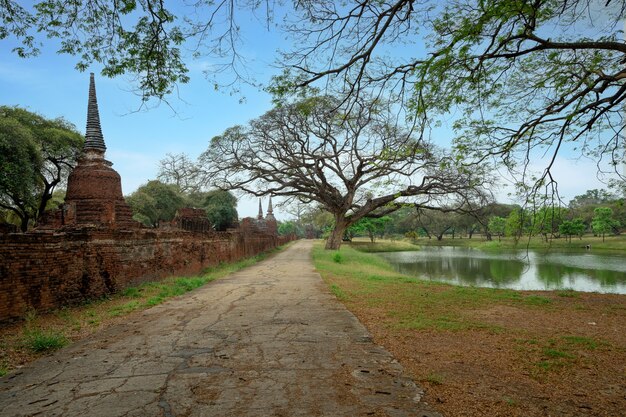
50	85
136	141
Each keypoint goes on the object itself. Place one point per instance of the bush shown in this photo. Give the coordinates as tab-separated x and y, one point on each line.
337	257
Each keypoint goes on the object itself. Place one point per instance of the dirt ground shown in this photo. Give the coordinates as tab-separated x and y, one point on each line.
568	359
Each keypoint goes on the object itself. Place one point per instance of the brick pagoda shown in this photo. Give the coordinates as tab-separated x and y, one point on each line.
94	189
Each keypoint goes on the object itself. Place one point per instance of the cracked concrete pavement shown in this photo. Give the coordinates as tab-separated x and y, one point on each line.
270	340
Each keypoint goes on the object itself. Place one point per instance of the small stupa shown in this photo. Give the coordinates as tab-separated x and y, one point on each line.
94	189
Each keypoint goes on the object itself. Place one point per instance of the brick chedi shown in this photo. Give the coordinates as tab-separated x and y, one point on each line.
94	189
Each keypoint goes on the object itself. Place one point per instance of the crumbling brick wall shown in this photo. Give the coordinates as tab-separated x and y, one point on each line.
40	271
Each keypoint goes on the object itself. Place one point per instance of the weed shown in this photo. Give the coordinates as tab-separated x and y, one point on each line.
557	354
30	316
537	300
39	340
3	370
132	292
509	401
337	257
151	302
434	378
547	365
123	309
339	293
567	293
584	342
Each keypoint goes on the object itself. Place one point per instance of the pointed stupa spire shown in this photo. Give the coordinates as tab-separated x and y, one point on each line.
260	216
93	135
270	211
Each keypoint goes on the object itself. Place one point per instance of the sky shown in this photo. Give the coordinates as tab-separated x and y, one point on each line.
136	140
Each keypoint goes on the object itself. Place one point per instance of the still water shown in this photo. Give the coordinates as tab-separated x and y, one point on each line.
519	270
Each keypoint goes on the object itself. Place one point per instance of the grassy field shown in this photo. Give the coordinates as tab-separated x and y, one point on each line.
611	243
481	351
40	334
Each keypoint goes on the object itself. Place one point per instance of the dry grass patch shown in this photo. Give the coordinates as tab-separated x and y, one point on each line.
481	351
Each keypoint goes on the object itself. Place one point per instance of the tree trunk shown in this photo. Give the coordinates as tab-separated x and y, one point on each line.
336	236
372	238
24	223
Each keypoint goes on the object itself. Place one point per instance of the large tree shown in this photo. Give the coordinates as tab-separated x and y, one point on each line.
524	78
354	164
37	156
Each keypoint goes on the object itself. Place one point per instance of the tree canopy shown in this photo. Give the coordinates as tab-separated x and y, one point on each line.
37	154
524	78
221	209
155	202
354	164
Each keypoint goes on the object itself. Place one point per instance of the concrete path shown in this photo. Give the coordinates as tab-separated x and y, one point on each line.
267	341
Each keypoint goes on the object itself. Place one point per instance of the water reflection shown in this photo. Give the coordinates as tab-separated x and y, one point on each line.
529	270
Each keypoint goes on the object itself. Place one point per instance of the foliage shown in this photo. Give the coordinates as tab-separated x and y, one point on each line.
592	198
372	227
603	221
527	79
497	226
154	202
354	163
435	222
571	228
289	228
221	208
37	155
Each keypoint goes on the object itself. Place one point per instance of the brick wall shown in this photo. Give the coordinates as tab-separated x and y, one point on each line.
45	270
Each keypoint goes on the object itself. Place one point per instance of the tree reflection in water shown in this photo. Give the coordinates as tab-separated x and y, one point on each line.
514	269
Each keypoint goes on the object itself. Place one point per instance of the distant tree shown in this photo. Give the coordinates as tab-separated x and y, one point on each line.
497	226
37	155
435	222
372	227
571	228
180	170
517	222
603	221
221	208
354	162
592	198
546	220
289	227
155	202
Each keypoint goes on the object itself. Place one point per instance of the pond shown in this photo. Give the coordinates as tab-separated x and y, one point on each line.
519	270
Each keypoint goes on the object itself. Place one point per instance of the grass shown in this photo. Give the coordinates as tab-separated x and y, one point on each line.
403	304
41	334
383	245
39	341
611	243
426	305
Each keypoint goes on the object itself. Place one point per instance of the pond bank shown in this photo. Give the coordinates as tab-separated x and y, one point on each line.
482	351
610	243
